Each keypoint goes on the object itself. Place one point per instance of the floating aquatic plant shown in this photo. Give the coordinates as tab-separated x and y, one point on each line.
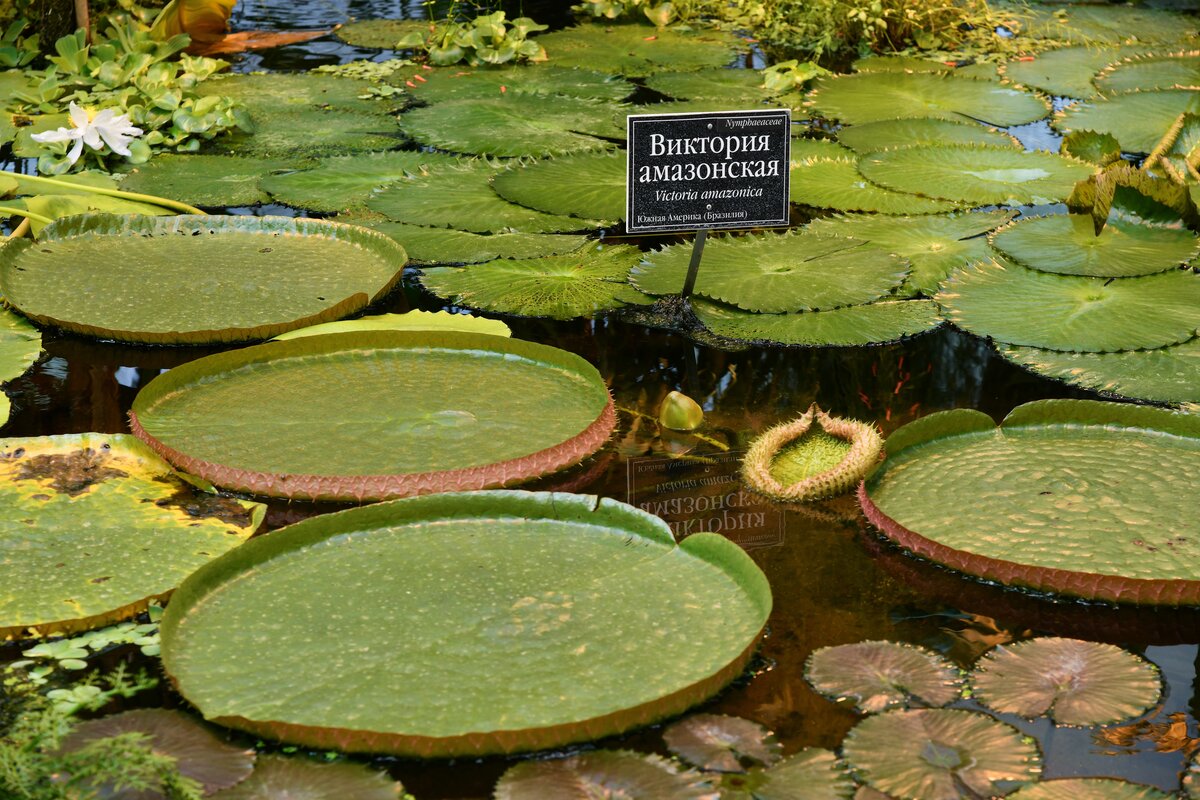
721	743
382	34
279	778
870	323
1108	25
602	773
448	246
1100	149
205	180
590	185
1089	789
20	345
441	85
1067	71
415	320
638	50
343	182
679	412
838	184
887	134
1137	119
1142	73
811	773
882	675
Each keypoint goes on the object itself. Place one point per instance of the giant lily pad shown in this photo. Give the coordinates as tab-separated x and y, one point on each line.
977	175
872	323
20	345
369	399
1137	120
343	182
1073	681
637	50
911	132
1016	305
837	184
1068	71
881	675
192	279
204	180
1052	500
1088	24
448	246
97	526
602	773
1143	73
478	83
300	133
875	96
504	596
276	778
409	321
291	91
737	88
590	185
926	754
381	34
1089	789
1068	244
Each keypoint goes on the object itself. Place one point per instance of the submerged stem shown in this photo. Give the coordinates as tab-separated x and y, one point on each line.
142	198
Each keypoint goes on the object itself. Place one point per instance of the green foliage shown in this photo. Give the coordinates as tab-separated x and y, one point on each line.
787	76
17	50
658	13
486	39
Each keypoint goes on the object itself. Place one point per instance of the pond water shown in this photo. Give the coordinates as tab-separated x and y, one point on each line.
834	579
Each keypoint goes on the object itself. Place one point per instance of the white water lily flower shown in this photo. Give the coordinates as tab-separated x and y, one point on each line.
95	130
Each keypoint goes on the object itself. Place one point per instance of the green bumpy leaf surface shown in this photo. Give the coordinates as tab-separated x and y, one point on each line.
591	185
1137	120
637	50
480	83
381	34
1068	71
875	96
193	279
202	180
837	184
279	778
601	773
882	675
291	91
873	323
346	182
1089	789
892	133
448	246
777	273
1016	305
1092	25
737	88
1145	73
1068	244
97	526
301	133
20	345
554	595
881	63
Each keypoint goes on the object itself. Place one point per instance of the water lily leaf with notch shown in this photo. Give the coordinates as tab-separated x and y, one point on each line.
278	778
344	182
1154	71
1074	682
805	150
119	526
976	175
515	125
567	594
775	273
448	246
1016	305
638	50
381	34
199	753
1068	71
204	180
722	743
838	184
590	185
20	344
1137	120
1067	244
414	320
873	323
1089	789
581	284
738	88
194	279
934	245
1162	375
811	773
602	773
876	63
925	754
300	91
875	96
303	133
463	198
1100	149
892	133
882	675
1111	25
479	83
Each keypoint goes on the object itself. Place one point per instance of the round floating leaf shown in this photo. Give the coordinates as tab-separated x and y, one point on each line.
806	150
934	245
193	279
303	133
893	133
876	96
876	63
343	182
722	743
277	778
1137	120
20	345
514	125
366	398
210	181
97	526
198	752
1068	244
1067	72
381	34
554	595
977	175
1073	681
881	675
737	88
447	246
810	774
601	773
1163	375
874	323
465	83
775	273
1053	500
1092	25
278	91
837	184
638	50
590	281
1016	305
925	754
591	186
463	198
1147	72
1089	789
1095	148
409	321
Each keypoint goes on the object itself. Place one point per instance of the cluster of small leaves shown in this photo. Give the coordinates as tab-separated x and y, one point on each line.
486	39
379	73
659	13
17	50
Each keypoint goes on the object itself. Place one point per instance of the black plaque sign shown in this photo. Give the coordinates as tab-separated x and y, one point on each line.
689	172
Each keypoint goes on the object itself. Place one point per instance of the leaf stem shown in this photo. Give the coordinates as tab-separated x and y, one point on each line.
141	198
20	230
21	212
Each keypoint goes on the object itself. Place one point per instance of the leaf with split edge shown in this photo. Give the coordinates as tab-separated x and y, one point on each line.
638	50
381	34
622	773
478	83
20	344
1137	120
810	774
591	281
302	133
343	182
874	323
880	675
896	63
591	185
1067	244
805	150
1100	149
1111	25
1067	71
838	184
415	320
737	88
1089	789
888	134
448	246
1140	195
1072	681
280	778
1151	71
722	743
266	94
205	180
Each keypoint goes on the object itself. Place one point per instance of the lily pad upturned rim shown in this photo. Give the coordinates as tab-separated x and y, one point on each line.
1093	586
363	487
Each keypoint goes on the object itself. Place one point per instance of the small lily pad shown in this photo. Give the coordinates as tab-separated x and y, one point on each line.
204	180
1089	789
638	50
448	246
381	34
590	185
344	182
913	132
1067	244
871	323
415	320
810	774
278	778
838	184
882	675
480	83
1068	71
20	344
722	743
601	773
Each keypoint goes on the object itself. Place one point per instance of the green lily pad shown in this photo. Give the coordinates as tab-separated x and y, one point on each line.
1067	244
1092	25
882	675
20	345
1100	149
1068	71
925	754
194	279
873	323
557	595
381	34
463	198
366	396
1051	500
415	320
97	527
345	182
299	134
482	83
601	773
1017	305
737	88
977	175
69	204
638	50
1163	375
582	284
885	63
837	184
1089	789
1148	72
722	743
806	150
591	185
1074	682
279	91
448	246
202	180
775	273
811	774
934	245
515	125
875	96
1137	120
278	778
918	131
